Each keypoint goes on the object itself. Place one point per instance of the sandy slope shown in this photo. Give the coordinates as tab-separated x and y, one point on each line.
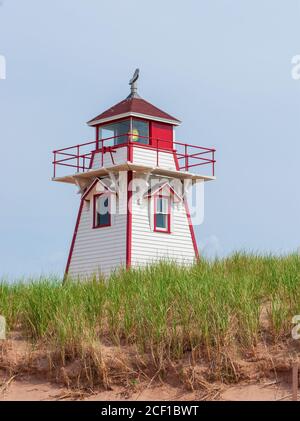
33	389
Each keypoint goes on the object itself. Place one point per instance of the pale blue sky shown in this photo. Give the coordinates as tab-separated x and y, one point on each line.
222	66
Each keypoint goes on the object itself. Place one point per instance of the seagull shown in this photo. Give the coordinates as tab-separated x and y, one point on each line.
133	84
134	77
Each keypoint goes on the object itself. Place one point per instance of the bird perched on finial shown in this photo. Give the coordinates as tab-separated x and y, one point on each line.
135	76
133	84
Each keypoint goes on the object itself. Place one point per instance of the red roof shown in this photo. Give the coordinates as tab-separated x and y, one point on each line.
136	106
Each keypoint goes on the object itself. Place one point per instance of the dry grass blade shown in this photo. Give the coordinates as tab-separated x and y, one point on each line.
285	397
6	384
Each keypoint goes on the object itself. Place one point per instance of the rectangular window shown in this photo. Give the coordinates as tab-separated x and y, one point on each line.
116	133
102	216
140	131
162	214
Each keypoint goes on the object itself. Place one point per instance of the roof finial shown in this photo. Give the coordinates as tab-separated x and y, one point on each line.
133	84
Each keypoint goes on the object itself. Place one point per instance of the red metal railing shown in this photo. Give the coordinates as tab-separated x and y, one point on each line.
80	156
205	156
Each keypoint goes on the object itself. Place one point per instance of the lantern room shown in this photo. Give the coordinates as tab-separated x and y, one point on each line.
135	120
133	134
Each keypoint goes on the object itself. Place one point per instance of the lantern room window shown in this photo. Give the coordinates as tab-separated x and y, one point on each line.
140	131
162	214
101	214
115	133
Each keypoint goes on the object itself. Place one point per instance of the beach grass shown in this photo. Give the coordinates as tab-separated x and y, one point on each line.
164	310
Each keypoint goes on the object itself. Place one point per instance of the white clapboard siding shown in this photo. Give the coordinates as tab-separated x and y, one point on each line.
148	157
149	246
99	250
119	157
141	156
103	250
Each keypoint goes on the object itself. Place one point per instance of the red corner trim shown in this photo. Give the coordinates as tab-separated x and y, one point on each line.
191	228
129	220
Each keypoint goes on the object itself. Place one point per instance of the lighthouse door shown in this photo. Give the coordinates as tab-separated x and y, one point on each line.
162	135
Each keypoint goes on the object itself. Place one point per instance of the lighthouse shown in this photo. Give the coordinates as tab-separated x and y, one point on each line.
133	179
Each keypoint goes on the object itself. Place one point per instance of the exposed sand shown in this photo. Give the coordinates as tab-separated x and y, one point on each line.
24	375
23	389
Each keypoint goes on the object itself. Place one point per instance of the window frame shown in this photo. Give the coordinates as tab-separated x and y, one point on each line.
129	135
166	230
141	120
95	197
113	139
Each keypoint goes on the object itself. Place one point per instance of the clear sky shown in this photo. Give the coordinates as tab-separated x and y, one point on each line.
222	66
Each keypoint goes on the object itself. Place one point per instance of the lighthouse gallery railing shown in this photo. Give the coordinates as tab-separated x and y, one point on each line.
80	156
